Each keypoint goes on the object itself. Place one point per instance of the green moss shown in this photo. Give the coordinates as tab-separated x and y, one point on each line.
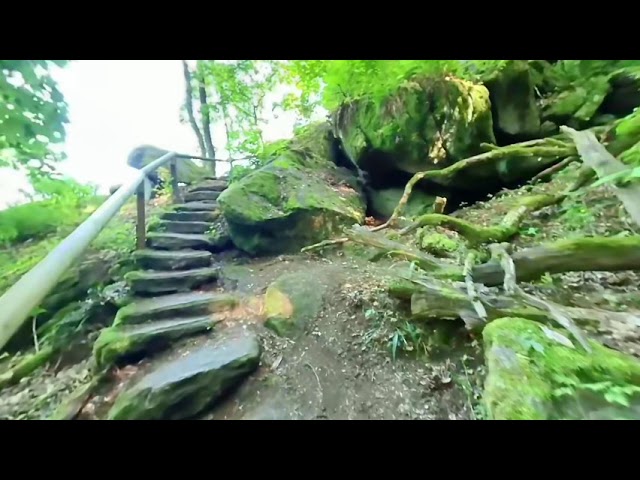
406	125
508	227
531	375
438	244
295	200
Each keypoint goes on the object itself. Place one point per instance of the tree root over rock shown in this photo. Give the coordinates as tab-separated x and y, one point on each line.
477	235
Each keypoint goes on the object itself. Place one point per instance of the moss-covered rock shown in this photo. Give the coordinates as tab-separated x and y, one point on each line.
185	387
172	260
293	300
123	341
298	198
177	304
513	103
187	170
383	202
577	105
439	244
536	373
151	281
428	124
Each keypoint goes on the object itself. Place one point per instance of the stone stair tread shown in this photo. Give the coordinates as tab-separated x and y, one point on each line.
172	259
210	185
191	216
181	241
177	226
195	206
155	281
201	196
175	304
193	381
119	342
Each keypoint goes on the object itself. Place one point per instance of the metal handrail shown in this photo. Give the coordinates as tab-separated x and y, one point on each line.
18	302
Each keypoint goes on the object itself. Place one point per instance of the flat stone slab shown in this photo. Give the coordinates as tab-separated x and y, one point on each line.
183	388
172	260
210	185
125	341
191	216
195	207
181	241
175	305
201	196
183	227
150	281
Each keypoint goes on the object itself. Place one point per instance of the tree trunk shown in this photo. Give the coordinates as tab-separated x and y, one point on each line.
206	123
189	106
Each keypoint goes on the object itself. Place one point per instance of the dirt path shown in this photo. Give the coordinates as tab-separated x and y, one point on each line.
341	367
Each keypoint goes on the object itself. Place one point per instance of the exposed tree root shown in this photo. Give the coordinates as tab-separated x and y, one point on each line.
70	409
554	169
324	243
576	255
26	366
479	235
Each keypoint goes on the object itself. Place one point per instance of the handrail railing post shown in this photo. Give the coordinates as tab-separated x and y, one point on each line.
174	181
141	227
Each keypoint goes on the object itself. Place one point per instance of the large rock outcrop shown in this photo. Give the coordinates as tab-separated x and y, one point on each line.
428	124
299	197
513	103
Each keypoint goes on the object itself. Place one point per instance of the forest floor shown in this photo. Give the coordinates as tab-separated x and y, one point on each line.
361	357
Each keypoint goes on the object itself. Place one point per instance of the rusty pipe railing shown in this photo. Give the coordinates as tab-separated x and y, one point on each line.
18	302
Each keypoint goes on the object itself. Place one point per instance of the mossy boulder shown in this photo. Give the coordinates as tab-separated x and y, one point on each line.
384	201
297	199
186	386
439	244
538	373
187	170
427	124
513	102
293	300
577	105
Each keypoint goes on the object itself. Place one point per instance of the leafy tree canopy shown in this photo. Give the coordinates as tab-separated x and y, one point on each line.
33	115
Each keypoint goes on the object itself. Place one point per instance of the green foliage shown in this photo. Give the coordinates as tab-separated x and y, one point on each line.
566	73
329	83
33	114
237	92
59	203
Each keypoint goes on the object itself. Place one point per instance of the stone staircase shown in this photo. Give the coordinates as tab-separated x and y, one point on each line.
167	307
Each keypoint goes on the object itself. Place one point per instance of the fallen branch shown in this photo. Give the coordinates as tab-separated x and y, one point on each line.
324	243
555	168
577	255
26	366
477	235
438	300
367	237
70	409
511	287
472	293
604	164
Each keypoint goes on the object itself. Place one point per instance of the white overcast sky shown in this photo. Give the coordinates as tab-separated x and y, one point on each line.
116	105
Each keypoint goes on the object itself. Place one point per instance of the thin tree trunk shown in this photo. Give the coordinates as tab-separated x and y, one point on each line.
206	123
189	106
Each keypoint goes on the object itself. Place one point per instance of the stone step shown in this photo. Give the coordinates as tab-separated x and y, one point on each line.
210	185
174	305
195	207
183	227
150	281
186	386
123	342
172	260
201	196
191	216
181	241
